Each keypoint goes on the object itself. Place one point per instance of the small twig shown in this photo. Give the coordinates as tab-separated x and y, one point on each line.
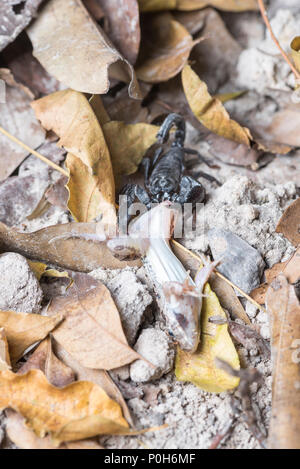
284	55
35	153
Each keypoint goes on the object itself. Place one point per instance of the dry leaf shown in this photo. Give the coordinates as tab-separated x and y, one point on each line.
284	128
128	144
200	368
284	309
51	410
23	330
123	26
38	268
210	111
14	17
99	377
74	49
295	46
91	183
230	152
4	353
92	331
289	223
74	246
227	5
166	46
24	438
43	359
17	118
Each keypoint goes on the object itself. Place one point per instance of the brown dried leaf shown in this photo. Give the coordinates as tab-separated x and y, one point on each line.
91	183
210	111
23	330
227	5
284	309
231	152
92	331
4	353
82	408
74	246
284	127
24	438
100	377
14	17
44	359
123	26
166	46
58	36
289	223
17	118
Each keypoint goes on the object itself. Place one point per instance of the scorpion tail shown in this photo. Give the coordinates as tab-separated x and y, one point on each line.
169	122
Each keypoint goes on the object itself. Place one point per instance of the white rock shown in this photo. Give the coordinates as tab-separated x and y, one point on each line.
19	288
154	345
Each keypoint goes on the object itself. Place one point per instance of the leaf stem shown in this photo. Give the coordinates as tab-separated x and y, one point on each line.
267	23
35	153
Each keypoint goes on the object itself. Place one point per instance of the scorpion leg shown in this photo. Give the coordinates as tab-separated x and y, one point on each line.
164	132
190	191
207	176
204	160
133	192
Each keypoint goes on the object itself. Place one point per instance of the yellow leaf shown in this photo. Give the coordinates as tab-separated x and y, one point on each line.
224	97
295	45
23	330
227	5
200	368
38	268
4	353
91	184
128	144
165	50
51	410
210	111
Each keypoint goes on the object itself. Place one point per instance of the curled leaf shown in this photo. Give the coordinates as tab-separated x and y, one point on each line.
200	368
58	35
91	183
166	48
210	111
4	353
289	223
23	330
49	410
295	46
227	5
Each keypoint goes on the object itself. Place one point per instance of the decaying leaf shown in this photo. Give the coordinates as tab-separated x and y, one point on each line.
74	246
25	438
200	368
227	5
295	46
284	308
284	127
43	359
58	35
91	183
51	410
123	26
17	118
166	46
4	352
14	17
23	330
92	331
289	223
128	144
210	111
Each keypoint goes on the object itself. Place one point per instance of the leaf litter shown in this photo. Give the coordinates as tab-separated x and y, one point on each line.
82	246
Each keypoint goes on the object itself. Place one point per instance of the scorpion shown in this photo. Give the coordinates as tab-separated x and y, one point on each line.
164	179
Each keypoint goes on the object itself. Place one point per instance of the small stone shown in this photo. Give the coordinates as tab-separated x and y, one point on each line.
20	290
152	344
130	295
121	373
241	263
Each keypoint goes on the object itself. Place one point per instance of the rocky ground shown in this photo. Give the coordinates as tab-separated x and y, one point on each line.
249	203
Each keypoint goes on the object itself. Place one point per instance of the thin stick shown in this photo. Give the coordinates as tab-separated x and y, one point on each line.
35	153
284	55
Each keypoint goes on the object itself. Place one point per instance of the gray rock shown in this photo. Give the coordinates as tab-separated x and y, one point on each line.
241	263
155	346
19	288
130	295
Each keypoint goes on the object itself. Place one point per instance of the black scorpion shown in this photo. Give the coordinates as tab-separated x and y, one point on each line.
164	179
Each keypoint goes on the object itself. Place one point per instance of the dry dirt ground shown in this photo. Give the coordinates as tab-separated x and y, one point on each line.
249	203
